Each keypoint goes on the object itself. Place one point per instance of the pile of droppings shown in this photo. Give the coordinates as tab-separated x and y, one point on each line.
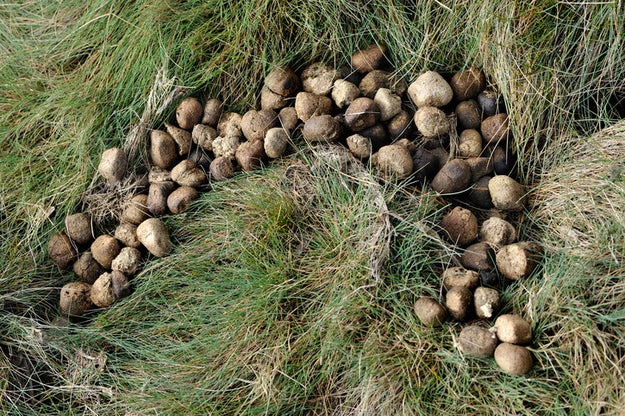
451	133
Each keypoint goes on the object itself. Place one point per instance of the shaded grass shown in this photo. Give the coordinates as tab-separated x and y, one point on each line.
76	75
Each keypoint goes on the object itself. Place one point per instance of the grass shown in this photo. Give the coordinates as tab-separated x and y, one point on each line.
267	307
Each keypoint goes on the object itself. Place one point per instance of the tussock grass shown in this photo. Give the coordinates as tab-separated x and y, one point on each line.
76	76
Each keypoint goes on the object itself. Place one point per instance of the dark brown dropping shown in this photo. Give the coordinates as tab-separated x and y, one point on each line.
495	129
377	135
480	167
453	177
200	158
489	279
503	162
400	126
180	199
478	256
479	195
468	84
86	268
157	197
121	286
490	103
425	164
468	113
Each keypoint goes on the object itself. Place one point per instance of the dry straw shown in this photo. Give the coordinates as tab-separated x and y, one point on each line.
105	202
579	200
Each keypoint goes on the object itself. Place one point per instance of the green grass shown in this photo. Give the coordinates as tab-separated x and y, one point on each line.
269	308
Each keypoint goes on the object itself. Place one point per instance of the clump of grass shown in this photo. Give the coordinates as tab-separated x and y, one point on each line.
577	208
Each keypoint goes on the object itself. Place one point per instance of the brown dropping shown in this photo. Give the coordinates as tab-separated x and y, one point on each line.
453	177
136	210
61	250
468	84
367	60
189	113
254	124
212	112
363	112
477	341
87	268
182	138
104	249
513	359
74	298
459	276
478	256
221	168
458	302
322	128
495	128
517	261
127	234
283	81
394	161
430	312
460	226
78	228
180	199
